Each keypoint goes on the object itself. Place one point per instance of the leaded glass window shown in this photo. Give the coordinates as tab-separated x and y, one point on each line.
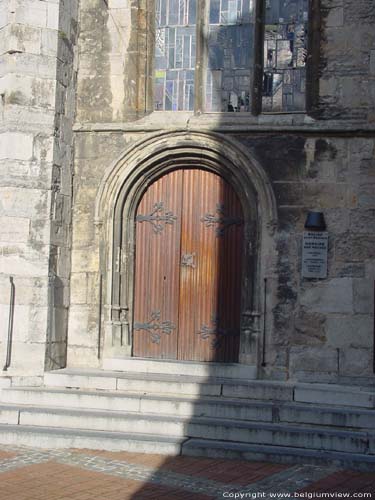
175	46
230	55
227	57
285	52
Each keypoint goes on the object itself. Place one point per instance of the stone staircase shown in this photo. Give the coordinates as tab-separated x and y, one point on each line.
154	412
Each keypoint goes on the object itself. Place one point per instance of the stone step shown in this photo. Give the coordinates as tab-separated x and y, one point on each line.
335	395
280	454
214	407
190	368
52	437
49	437
198	427
169	383
156	383
156	404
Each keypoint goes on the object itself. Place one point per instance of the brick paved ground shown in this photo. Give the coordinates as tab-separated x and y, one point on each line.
30	474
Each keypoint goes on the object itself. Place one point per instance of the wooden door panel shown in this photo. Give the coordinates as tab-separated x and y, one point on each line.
189	243
210	291
198	284
158	229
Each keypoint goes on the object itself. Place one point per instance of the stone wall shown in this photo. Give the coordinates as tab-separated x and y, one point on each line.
317	330
321	330
37	107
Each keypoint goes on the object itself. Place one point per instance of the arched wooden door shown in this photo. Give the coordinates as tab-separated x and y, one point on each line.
189	245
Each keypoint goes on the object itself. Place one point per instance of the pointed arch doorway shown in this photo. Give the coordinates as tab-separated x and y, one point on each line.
189	248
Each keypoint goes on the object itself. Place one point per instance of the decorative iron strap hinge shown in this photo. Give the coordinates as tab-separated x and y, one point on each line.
215	332
221	221
158	218
155	327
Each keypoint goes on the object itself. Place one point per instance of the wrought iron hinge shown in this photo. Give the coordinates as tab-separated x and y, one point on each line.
158	217
221	220
155	327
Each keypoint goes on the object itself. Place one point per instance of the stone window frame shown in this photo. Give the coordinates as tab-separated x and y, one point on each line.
146	44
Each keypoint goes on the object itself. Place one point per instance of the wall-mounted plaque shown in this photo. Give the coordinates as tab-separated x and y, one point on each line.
314	254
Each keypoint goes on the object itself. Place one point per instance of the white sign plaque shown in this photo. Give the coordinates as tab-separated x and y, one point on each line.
314	254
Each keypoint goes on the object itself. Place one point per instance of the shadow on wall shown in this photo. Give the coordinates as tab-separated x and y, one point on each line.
189	272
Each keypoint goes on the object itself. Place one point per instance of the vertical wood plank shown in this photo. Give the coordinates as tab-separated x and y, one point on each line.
155	326
210	292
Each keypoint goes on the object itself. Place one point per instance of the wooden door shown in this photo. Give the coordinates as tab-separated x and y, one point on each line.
189	243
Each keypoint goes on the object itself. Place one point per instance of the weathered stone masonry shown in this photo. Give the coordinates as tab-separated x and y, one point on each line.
317	330
37	40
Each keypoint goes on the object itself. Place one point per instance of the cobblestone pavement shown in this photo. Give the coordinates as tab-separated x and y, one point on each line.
33	474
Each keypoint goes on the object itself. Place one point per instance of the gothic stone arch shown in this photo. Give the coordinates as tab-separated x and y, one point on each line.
121	189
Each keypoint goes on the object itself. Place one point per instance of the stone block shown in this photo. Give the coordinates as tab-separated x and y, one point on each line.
24	39
363	220
22	260
28	64
335	17
122	16
355	362
16	145
117	4
49	42
14	229
334	296
337	220
372	62
313	359
40	230
12	203
83	328
52	16
363	290
27	358
44	148
354	92
354	247
309	328
83	233
85	259
348	331
35	119
348	270
28	290
4	13
329	88
93	288
326	195
30	323
366	198
79	356
362	148
78	287
31	13
28	91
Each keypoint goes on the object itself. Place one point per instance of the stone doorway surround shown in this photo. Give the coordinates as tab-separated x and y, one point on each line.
121	188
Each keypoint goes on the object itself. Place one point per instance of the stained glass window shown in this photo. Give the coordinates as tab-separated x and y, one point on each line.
230	55
175	46
285	52
228	69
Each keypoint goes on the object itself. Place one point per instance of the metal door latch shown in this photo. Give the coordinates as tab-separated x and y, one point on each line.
187	260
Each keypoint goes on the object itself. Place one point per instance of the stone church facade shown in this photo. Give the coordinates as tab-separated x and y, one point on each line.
92	121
